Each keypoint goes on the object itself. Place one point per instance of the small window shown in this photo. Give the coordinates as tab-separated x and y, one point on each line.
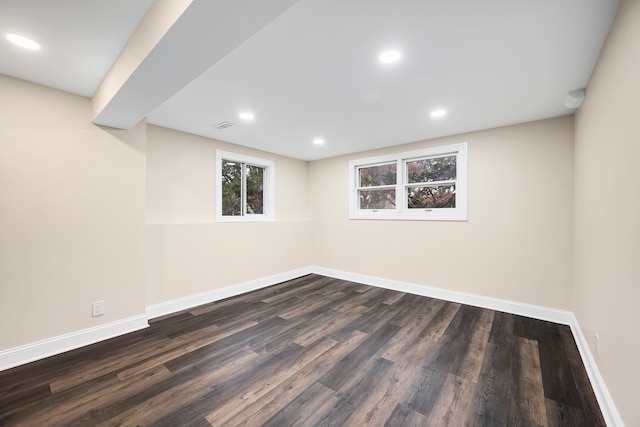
244	188
429	184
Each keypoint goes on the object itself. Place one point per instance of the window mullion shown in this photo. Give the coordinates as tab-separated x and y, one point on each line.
431	183
401	198
240	191
243	189
445	199
377	187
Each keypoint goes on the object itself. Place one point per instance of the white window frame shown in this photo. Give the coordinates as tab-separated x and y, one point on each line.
269	187
401	211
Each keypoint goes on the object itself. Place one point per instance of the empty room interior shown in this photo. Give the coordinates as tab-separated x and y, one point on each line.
319	212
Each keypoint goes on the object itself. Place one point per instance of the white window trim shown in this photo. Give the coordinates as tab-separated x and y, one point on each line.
269	187
459	213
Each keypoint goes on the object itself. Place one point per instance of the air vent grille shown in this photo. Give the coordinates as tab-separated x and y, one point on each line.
224	125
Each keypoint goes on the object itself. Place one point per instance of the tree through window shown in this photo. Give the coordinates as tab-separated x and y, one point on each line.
425	184
245	188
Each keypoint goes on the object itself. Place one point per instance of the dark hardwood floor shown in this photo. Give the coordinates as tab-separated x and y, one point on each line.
314	351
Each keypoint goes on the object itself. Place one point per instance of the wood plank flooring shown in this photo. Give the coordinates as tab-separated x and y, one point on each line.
314	351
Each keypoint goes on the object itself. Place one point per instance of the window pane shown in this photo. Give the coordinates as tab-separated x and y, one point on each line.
255	190
373	176
435	169
443	196
378	199
231	188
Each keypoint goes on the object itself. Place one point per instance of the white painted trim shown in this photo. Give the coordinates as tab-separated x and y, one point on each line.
459	213
41	349
269	187
191	301
607	406
49	347
534	311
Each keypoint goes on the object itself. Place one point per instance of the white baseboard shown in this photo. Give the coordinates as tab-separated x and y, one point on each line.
39	350
22	355
522	309
607	406
191	301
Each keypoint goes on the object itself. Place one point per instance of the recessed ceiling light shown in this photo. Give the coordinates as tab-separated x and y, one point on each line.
318	141
247	116
389	56
22	41
438	113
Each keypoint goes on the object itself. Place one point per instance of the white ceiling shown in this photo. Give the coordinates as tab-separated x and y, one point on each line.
309	68
80	39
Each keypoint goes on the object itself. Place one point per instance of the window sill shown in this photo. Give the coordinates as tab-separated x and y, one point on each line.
252	218
409	217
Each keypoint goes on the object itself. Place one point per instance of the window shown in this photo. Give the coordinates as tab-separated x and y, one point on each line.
429	184
244	187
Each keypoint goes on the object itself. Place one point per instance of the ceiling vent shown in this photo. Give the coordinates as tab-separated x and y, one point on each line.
224	125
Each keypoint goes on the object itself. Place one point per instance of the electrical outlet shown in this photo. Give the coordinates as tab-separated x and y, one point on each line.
98	308
596	349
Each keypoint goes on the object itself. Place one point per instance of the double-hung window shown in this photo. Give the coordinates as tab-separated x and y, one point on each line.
428	184
244	187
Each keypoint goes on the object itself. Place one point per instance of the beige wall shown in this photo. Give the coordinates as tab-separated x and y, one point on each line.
188	253
607	211
72	216
516	244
